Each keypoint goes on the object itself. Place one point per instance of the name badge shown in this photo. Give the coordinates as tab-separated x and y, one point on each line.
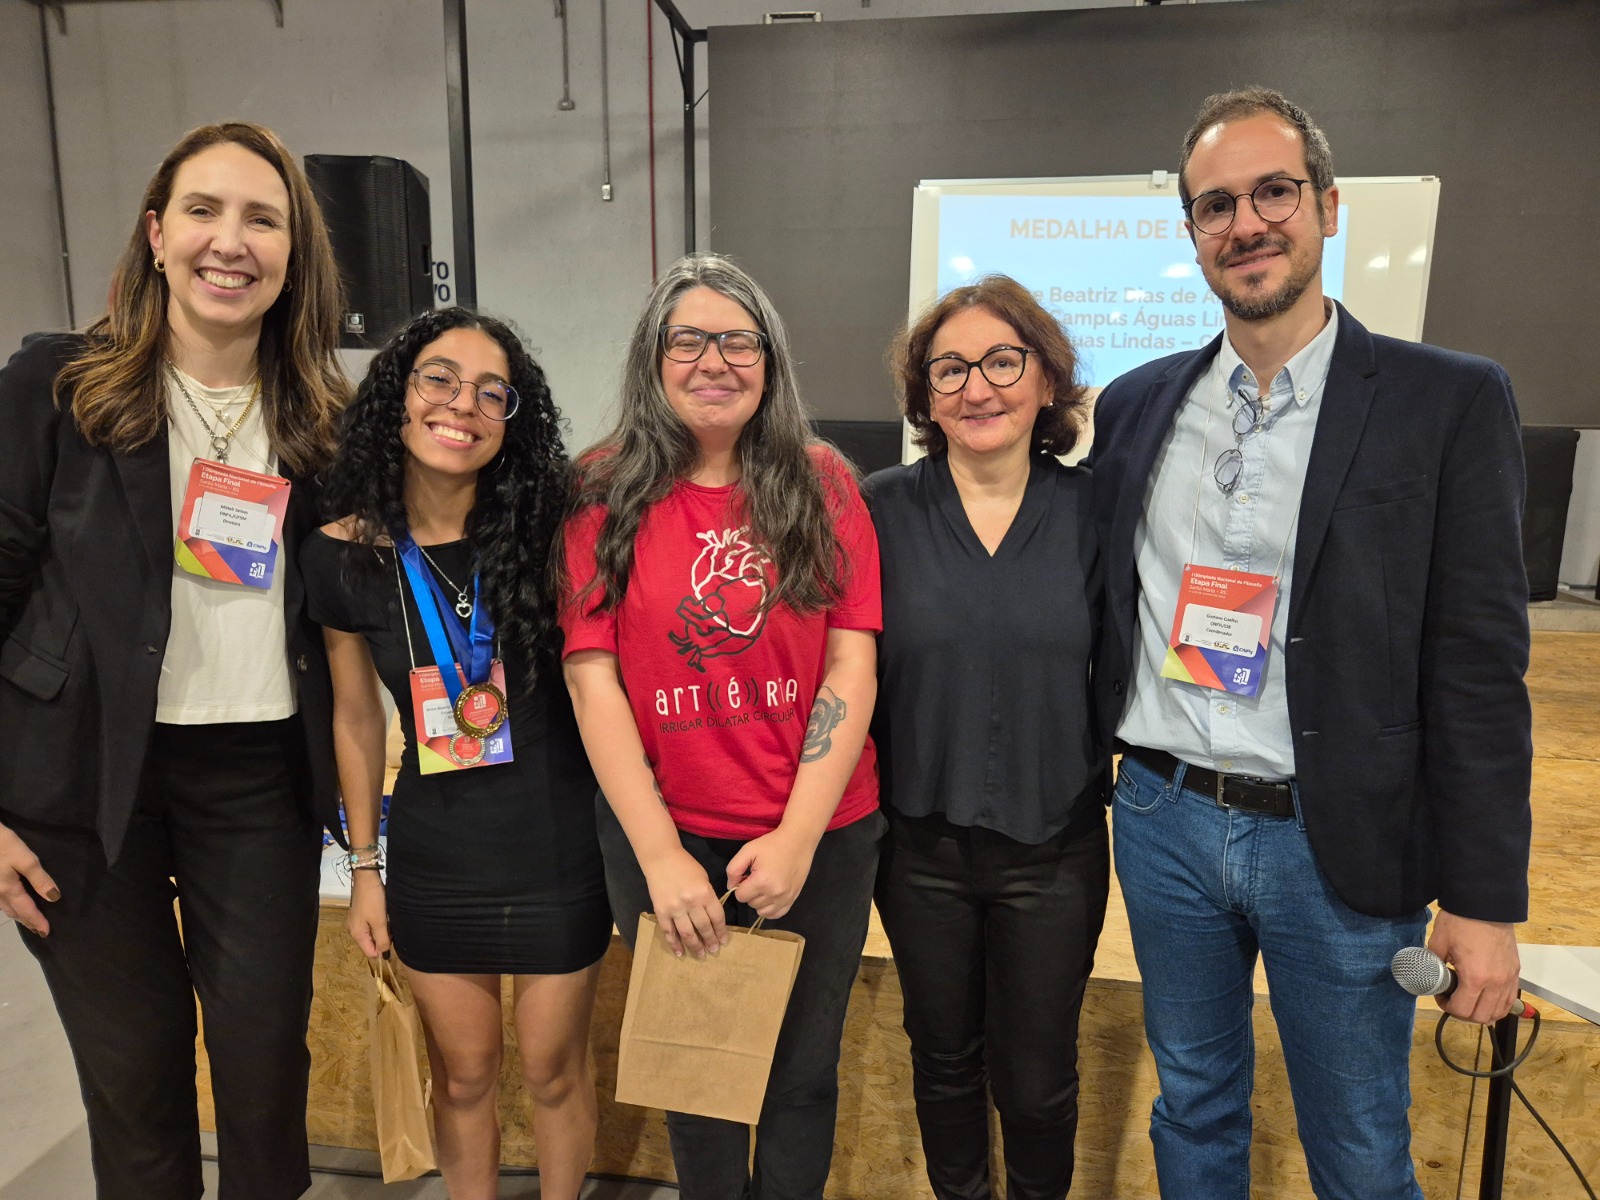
478	736
1221	630
231	525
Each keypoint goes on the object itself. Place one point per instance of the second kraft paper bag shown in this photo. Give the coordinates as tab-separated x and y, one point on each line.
698	1034
399	1088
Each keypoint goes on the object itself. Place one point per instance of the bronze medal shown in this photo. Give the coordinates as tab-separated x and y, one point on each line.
466	750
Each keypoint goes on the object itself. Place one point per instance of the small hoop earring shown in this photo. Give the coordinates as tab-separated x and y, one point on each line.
161	267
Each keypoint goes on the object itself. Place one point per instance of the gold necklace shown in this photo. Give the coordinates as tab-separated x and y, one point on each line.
219	438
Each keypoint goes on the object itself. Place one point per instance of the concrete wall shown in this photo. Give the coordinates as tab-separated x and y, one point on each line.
33	296
367	77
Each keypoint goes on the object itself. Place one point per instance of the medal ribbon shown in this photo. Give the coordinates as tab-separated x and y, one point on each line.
472	649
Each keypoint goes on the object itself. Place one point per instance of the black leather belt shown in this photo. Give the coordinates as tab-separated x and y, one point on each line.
1261	796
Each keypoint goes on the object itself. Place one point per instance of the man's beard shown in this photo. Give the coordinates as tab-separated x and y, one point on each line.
1261	306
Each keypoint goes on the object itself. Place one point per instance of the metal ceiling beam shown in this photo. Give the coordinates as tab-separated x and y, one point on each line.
684	39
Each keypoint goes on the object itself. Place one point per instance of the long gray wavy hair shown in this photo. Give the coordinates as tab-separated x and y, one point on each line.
788	505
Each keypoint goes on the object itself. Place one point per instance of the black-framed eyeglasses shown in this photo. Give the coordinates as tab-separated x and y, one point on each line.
1002	367
1247	419
1275	201
437	384
738	347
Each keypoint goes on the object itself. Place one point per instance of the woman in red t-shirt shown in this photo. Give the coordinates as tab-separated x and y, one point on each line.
721	604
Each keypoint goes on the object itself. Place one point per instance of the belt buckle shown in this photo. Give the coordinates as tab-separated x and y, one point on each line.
1260	808
1224	802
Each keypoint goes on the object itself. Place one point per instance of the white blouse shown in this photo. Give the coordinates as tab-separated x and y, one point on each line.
227	651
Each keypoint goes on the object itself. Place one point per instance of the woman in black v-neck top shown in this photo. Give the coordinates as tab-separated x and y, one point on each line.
994	874
452	454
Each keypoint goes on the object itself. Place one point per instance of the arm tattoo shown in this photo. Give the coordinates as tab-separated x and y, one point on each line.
654	782
826	714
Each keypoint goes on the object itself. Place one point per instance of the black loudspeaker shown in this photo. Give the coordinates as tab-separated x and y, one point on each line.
1549	454
870	445
379	221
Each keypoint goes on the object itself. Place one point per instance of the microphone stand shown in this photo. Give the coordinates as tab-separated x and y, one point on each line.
1497	1113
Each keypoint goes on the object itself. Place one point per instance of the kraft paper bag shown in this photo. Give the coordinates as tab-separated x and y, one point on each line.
698	1034
399	1092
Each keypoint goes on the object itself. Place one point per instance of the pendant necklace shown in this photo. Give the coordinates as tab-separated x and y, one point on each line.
220	438
463	600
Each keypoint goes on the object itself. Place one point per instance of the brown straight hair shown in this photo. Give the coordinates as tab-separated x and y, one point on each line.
117	394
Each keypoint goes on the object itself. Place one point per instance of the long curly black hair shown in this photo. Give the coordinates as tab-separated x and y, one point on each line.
521	497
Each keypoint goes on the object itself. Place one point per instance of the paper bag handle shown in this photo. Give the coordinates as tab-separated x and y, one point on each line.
383	973
724	902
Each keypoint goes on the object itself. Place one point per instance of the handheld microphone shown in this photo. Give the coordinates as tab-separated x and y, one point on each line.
1423	973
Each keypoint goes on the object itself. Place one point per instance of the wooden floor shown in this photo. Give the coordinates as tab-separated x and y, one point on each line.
1564	871
878	1155
1562	1075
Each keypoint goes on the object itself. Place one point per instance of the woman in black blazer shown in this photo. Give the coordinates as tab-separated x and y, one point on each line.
166	703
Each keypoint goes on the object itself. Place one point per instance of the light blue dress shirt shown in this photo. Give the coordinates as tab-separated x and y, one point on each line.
1188	519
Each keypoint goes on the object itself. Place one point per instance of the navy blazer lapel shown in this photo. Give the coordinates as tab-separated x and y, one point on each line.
1346	400
1151	425
147	480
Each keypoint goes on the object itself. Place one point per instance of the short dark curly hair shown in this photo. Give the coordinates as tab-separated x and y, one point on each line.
1057	428
521	498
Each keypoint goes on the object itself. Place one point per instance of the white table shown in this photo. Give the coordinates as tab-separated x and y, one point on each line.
1564	975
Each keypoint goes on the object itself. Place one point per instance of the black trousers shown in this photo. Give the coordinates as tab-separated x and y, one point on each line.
794	1140
221	827
994	941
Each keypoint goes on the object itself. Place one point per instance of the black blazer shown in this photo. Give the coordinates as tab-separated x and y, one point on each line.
85	605
1408	621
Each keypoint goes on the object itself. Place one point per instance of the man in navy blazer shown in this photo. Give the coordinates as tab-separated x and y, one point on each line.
1316	634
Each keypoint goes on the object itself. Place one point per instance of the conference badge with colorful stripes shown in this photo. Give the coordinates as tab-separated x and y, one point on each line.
231	525
1221	629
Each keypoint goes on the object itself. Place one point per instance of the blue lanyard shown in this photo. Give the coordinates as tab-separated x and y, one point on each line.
472	649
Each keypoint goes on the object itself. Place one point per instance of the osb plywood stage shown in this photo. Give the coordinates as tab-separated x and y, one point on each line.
878	1157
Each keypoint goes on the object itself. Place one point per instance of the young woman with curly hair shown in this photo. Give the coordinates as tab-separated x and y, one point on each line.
164	697
722	601
450	485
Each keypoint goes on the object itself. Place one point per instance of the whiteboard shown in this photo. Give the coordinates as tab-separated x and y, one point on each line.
1109	258
1124	235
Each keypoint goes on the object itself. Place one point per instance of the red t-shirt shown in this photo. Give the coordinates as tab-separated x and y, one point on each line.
720	691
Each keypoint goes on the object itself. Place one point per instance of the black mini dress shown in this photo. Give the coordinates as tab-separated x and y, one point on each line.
494	869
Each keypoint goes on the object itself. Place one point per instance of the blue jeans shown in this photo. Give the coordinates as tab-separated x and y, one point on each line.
1207	889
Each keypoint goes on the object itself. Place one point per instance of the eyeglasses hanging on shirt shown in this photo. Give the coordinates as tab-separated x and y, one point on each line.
1248	418
1222	627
